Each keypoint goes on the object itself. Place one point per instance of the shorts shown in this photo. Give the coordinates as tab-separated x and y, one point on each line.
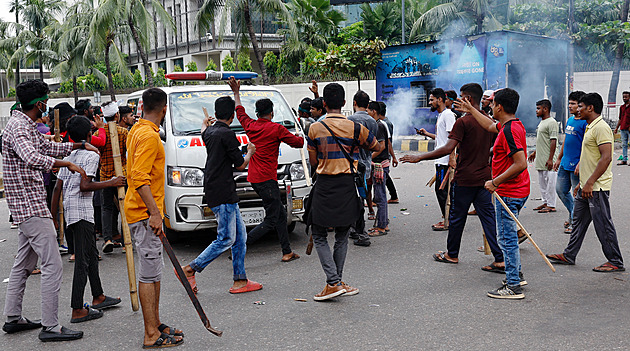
149	252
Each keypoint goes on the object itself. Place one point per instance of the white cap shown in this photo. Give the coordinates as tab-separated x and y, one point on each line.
488	93
110	109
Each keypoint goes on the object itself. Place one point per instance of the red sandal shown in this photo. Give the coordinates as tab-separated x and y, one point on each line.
250	286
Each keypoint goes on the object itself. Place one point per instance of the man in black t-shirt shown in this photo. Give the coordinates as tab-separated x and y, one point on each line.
381	163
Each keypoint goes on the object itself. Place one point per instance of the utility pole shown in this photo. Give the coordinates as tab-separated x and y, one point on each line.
402	11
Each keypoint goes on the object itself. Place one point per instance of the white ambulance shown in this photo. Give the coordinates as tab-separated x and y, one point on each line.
185	209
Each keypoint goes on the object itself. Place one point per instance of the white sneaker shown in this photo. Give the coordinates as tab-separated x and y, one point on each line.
63	249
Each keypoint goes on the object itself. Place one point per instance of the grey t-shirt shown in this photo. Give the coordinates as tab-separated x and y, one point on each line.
365	156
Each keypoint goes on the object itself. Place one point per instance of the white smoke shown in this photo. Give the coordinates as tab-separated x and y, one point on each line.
401	107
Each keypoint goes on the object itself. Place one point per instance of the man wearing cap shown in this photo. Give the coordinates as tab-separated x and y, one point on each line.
486	99
109	211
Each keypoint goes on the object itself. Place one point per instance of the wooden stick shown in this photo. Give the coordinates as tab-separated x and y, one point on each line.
307	174
486	246
447	213
61	215
553	269
431	181
131	268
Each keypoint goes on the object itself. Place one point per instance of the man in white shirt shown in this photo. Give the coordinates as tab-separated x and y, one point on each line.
443	126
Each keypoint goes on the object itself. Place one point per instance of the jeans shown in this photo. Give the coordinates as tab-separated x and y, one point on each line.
275	215
109	213
597	210
380	199
461	198
441	171
231	233
332	263
391	188
85	263
508	237
625	135
567	181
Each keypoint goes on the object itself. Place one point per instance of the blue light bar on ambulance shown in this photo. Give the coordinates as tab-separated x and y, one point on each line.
211	75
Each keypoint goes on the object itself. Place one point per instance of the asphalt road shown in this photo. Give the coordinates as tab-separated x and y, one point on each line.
407	301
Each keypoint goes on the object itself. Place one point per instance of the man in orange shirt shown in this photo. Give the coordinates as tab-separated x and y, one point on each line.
144	208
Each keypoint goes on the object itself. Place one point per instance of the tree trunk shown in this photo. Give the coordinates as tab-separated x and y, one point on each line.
75	89
614	82
41	67
108	66
17	31
252	39
359	82
143	55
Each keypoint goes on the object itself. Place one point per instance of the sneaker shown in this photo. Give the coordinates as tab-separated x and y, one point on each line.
349	290
63	249
507	292
14	226
108	246
329	292
520	276
365	242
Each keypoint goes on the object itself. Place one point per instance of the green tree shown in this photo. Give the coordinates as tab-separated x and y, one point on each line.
353	33
228	64
160	78
211	66
622	30
352	59
271	62
191	66
136	79
244	62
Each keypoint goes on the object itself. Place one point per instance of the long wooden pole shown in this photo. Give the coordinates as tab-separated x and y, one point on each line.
131	268
447	212
524	231
61	218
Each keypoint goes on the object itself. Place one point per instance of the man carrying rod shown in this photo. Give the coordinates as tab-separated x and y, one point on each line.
510	180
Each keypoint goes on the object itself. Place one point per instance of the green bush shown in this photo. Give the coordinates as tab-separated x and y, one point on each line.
310	64
92	83
136	80
244	62
160	80
271	63
211	66
11	92
191	66
228	64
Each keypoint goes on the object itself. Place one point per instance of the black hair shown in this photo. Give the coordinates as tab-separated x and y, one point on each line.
97	111
508	99
383	108
79	128
544	103
264	107
334	96
374	105
29	91
451	94
362	99
153	99
319	104
438	93
110	118
576	95
626	93
306	99
224	108
82	105
123	110
305	107
595	100
474	90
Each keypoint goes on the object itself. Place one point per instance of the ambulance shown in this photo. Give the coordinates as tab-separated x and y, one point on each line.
185	209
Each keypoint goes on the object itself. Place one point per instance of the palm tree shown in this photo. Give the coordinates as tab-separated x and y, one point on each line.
315	20
614	82
15	6
240	12
382	21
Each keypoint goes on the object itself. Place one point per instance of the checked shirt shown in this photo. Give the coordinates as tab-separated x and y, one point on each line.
25	155
77	204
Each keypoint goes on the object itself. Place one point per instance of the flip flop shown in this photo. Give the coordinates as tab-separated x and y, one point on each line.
371	216
376	232
492	268
548	210
559	259
293	257
172	331
191	280
539	207
92	314
441	257
108	302
250	286
164	340
393	201
608	268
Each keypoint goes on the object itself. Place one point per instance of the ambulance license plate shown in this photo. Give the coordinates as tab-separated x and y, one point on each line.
253	217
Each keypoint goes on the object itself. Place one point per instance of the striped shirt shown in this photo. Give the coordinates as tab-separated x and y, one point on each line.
77	204
331	159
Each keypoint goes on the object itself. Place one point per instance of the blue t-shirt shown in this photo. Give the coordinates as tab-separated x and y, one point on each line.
574	134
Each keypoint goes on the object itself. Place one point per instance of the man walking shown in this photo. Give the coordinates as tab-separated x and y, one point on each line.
335	202
545	156
623	125
569	157
144	208
380	173
391	187
593	193
263	168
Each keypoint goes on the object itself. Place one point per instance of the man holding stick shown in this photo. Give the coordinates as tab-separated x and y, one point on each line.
510	180
144	209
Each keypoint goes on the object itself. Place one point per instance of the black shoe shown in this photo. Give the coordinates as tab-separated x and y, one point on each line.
21	325
363	242
65	335
507	292
108	247
354	236
520	275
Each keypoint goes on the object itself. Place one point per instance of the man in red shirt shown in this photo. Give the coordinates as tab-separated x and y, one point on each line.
624	126
263	167
510	180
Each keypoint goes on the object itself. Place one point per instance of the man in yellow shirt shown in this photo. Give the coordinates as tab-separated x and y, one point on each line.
144	208
593	192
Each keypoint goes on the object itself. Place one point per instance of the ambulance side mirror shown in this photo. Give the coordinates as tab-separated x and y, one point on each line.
162	133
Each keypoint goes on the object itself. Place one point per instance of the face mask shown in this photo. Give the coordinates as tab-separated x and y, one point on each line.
45	111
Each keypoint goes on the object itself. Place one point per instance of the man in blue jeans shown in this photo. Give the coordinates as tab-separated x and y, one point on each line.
569	157
624	125
510	180
224	152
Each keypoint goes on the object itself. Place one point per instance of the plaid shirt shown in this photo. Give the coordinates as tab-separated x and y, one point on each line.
77	204
25	155
107	159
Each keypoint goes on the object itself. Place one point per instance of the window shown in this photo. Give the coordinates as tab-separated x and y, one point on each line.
162	65
179	62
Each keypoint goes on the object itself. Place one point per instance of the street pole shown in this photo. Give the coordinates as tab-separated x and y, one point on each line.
402	11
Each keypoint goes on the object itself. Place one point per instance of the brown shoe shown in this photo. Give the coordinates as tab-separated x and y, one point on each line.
349	290
329	292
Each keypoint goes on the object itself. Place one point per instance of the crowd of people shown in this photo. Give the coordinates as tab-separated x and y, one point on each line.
480	160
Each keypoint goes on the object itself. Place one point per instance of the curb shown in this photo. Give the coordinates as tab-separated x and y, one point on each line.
413	144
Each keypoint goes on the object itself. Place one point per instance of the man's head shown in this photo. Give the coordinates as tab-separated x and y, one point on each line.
574	99
110	111
626	97
79	128
66	112
437	99
471	92
383	109
304	110
334	97
505	103
485	98
374	110
84	107
360	101
590	106
154	102
33	96
126	116
451	96
264	109
543	108
317	108
224	109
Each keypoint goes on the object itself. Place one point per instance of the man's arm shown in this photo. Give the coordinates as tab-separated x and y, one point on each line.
448	148
391	152
606	151
312	157
552	151
155	217
314	89
90	185
424	132
381	146
484	121
292	140
251	149
556	165
519	165
54	203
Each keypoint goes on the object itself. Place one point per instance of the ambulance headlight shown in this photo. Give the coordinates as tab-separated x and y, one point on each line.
297	171
182	176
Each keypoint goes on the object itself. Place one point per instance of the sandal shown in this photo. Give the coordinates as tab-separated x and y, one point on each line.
547	210
438	227
250	286
441	257
567	224
294	256
393	201
92	314
377	232
172	331
191	280
559	259
108	302
164	340
540	207
371	216
492	268
521	236
607	268
568	230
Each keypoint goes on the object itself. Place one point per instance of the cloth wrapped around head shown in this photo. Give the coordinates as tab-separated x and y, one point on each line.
110	109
